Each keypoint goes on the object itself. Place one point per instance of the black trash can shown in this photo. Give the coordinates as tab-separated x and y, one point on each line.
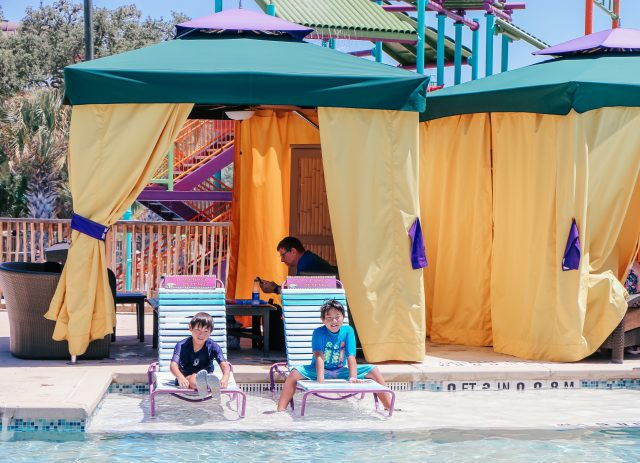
276	329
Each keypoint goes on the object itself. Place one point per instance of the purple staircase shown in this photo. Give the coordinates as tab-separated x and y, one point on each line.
172	205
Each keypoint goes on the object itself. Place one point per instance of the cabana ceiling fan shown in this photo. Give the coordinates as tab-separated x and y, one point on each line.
244	112
241	115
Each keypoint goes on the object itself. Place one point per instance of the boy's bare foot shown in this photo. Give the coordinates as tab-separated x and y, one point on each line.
201	383
214	384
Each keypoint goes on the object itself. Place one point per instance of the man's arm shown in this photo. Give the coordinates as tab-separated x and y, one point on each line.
269	287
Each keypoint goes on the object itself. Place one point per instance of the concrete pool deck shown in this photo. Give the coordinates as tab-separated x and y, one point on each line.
56	389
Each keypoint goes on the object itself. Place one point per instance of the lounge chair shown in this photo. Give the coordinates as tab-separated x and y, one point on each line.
301	301
176	307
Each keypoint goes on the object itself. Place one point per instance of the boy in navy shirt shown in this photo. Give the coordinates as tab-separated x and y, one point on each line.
334	356
192	361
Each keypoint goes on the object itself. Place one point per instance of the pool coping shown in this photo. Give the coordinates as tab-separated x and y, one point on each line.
92	387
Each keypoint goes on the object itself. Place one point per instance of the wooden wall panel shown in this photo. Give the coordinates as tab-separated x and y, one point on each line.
309	216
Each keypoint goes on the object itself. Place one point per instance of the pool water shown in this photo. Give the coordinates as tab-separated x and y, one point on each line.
459	446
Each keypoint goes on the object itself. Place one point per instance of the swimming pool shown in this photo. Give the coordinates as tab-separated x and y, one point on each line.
583	445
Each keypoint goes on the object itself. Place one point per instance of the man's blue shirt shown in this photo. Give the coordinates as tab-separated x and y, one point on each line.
313	263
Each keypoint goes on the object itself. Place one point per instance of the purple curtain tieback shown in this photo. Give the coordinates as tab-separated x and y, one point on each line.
571	258
89	227
418	253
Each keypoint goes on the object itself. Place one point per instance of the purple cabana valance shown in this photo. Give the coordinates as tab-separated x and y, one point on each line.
243	21
611	41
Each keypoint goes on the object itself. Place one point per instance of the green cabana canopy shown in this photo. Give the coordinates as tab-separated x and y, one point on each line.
582	83
211	69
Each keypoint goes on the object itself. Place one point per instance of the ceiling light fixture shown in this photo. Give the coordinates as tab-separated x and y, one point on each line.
239	115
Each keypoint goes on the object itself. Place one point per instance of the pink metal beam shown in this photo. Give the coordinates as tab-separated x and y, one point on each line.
488	6
433	6
433	65
361	52
368	39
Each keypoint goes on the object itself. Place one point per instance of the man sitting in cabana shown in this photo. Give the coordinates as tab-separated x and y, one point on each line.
293	254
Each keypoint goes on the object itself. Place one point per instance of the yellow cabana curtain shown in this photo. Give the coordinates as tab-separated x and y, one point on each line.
113	152
613	137
456	202
547	170
261	208
370	161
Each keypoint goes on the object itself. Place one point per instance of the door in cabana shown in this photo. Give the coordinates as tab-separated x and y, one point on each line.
309	210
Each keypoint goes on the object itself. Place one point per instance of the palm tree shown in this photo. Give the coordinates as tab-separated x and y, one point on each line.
34	132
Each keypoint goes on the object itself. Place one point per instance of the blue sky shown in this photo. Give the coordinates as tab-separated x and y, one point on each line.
553	21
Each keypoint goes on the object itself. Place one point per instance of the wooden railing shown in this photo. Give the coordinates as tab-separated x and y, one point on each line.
24	240
157	248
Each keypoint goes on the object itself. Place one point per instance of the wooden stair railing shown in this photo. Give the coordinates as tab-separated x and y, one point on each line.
197	142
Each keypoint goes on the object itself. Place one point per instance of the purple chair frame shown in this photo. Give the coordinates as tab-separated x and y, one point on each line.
190	395
280	370
342	393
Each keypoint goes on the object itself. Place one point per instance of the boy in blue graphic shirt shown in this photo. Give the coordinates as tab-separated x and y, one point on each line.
334	356
192	361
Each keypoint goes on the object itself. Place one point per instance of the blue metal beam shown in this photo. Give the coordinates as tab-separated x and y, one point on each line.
457	57
421	5
440	49
377	50
475	50
489	44
505	53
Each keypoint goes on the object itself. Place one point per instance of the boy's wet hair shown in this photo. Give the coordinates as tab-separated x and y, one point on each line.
331	304
203	320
